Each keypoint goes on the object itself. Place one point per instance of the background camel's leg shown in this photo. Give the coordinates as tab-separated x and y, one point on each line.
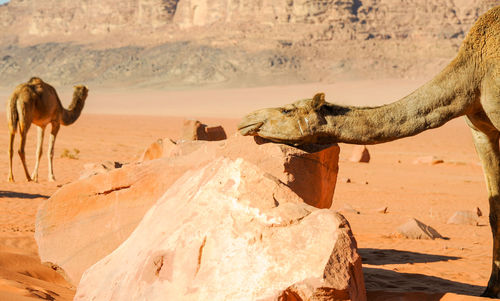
23	130
11	153
39	151
489	153
52	140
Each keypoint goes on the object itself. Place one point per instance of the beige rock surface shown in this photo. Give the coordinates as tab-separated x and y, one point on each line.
310	171
101	211
214	236
415	229
464	218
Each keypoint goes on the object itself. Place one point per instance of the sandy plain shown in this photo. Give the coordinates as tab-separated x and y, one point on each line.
117	125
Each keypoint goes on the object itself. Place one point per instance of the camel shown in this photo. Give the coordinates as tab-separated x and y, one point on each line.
469	86
37	102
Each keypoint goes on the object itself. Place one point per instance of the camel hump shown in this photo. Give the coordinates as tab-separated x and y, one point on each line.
484	36
36	84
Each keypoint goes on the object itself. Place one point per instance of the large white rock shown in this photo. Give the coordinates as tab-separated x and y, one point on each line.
86	220
228	232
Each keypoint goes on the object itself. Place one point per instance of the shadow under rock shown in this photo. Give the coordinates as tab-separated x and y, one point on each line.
393	281
391	256
21	195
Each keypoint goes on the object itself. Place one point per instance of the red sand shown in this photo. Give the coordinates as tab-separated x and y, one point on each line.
395	268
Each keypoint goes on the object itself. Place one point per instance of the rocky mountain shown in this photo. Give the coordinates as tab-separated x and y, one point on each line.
187	43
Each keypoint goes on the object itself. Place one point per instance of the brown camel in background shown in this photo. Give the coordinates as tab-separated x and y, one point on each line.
37	102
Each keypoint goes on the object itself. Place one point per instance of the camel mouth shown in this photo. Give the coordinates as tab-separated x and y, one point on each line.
249	129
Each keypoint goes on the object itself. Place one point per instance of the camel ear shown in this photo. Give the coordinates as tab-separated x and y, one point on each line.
318	100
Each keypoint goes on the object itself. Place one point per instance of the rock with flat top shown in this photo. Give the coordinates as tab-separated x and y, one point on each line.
415	229
229	232
310	171
192	130
215	133
195	130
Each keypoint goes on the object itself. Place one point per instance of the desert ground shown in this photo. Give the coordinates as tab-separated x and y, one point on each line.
117	125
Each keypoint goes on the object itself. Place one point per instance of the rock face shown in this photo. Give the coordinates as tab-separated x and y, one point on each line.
229	43
310	171
86	220
53	17
214	236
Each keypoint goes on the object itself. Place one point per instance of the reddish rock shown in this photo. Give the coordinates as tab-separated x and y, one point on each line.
215	133
195	130
464	218
360	154
432	160
415	229
86	220
310	171
214	236
158	149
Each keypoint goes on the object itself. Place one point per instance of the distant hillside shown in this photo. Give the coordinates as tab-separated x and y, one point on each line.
193	43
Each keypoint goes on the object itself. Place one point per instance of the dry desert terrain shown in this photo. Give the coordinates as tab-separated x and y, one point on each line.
117	125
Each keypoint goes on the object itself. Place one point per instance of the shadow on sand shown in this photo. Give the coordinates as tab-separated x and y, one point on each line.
21	195
433	287
386	284
391	256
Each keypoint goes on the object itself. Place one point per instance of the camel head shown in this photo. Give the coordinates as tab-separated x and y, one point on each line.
80	92
296	123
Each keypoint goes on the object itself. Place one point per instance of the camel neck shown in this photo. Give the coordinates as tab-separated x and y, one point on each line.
70	115
447	96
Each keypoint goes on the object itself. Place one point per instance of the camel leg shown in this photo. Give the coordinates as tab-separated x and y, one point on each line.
39	151
52	141
11	153
23	129
489	154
